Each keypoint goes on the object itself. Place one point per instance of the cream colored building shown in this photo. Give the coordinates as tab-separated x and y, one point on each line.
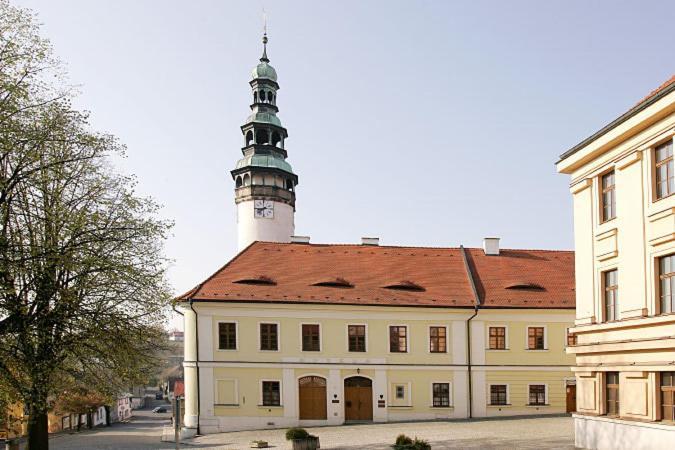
622	181
307	334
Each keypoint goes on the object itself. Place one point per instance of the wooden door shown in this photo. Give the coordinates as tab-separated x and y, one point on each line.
358	399
312	395
571	393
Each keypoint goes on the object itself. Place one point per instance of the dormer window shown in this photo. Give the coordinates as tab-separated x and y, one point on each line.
334	282
525	286
257	281
405	286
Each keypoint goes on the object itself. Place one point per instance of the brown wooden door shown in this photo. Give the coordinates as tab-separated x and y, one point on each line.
358	399
571	393
312	398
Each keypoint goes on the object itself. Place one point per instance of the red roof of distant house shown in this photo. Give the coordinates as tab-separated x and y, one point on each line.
179	388
393	276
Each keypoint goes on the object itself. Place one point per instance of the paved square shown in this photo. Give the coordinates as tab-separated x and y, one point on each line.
530	433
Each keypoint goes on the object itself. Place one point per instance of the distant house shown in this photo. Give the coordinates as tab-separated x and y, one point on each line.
177	336
121	409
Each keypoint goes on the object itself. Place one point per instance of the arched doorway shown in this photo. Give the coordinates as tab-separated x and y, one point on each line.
358	399
312	395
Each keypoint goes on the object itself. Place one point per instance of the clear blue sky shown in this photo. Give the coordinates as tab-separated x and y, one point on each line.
423	123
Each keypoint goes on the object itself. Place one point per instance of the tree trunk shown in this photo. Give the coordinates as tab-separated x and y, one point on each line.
107	415
38	429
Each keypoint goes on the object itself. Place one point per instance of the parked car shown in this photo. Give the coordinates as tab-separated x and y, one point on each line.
159	396
159	409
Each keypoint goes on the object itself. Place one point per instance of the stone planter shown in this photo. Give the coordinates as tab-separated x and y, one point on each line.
310	443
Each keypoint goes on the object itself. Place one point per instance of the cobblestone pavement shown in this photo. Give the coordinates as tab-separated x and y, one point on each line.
523	433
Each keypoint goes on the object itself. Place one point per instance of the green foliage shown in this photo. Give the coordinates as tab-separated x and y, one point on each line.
83	294
403	442
296	433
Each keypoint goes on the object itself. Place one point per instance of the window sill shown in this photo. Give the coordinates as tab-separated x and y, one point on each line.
536	406
268	351
506	405
442	407
537	349
270	406
497	349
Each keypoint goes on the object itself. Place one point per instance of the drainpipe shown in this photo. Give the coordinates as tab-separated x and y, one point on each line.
472	281
468	358
197	364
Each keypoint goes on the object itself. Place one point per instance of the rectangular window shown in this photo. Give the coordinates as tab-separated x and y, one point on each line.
400	392
537	394
665	175
535	338
668	396
357	338
612	393
437	340
398	339
271	393
227	336
498	394
610	282
441	392
269	336
608	197
667	284
497	338
311	340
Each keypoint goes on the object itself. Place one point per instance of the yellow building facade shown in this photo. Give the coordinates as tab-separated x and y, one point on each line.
622	181
341	334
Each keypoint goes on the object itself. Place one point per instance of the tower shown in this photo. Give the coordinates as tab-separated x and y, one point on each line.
264	181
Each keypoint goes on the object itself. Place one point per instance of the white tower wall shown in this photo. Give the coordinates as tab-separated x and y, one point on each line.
280	228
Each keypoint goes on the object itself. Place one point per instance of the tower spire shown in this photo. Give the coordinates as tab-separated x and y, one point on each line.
264	57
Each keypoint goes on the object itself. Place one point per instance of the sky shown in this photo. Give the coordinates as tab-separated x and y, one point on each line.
425	123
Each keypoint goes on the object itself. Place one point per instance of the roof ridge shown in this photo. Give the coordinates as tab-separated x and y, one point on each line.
315	244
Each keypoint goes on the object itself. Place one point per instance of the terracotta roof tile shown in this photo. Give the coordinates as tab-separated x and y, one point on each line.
421	276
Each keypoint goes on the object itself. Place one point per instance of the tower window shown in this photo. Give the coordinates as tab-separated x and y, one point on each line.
249	137
275	138
239	182
289	185
255	97
262	96
247	180
262	137
270	97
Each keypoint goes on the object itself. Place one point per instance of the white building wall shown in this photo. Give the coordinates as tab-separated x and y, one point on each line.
251	229
602	432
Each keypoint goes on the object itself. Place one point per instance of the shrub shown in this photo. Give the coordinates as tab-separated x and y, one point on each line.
296	433
403	442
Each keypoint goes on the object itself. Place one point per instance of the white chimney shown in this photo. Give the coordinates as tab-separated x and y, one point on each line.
370	241
300	239
491	246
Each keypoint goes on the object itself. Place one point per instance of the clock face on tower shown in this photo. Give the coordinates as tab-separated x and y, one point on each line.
263	209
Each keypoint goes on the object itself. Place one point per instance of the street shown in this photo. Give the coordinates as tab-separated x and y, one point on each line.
143	431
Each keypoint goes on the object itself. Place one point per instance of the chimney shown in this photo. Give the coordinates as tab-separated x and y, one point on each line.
491	246
299	239
370	241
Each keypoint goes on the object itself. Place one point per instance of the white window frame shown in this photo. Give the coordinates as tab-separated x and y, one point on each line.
260	392
546	399
450	396
320	337
506	337
278	336
347	336
407	338
407	393
236	336
527	334
508	393
447	339
236	391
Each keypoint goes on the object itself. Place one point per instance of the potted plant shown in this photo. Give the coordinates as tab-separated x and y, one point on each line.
302	440
259	444
403	442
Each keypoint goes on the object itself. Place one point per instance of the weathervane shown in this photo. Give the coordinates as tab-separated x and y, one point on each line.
264	39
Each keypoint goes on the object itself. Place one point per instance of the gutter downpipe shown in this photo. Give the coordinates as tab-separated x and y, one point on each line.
469	274
197	364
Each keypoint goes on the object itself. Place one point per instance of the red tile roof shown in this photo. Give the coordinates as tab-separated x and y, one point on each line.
394	276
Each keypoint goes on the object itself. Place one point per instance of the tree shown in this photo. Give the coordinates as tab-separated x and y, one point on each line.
83	293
